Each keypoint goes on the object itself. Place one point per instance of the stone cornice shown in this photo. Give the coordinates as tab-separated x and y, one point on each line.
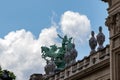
115	36
114	8
90	70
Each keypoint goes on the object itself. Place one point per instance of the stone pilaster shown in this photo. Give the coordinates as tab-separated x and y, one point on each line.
113	24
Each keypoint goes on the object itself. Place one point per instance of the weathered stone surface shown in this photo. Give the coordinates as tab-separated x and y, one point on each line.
100	39
92	42
113	24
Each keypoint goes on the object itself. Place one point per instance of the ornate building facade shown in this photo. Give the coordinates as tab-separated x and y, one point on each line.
103	64
113	24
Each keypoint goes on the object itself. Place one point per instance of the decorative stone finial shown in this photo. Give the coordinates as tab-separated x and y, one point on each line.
92	43
100	39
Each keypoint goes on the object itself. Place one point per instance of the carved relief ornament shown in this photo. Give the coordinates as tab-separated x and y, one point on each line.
110	21
118	22
113	22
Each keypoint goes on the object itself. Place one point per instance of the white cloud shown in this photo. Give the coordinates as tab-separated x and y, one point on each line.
20	51
75	25
47	36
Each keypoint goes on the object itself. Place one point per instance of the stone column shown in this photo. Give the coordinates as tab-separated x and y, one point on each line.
113	24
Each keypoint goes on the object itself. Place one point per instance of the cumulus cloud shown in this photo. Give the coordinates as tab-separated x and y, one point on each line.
76	25
48	36
20	51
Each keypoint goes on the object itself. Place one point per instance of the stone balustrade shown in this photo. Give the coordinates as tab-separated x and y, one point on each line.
81	65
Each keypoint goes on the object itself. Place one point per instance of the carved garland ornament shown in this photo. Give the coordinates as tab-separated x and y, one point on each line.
113	22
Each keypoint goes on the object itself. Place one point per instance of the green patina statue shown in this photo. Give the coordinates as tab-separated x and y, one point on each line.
57	54
49	52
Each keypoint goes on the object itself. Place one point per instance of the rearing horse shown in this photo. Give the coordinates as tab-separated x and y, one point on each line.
49	52
45	51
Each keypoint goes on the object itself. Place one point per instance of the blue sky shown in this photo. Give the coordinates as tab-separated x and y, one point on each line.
25	25
35	15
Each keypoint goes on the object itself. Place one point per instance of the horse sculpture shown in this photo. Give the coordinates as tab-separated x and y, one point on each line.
45	51
61	56
49	52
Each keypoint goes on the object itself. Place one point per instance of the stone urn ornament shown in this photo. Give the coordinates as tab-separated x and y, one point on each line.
92	42
100	39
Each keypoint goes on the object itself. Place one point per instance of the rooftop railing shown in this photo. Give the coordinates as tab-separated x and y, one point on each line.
80	65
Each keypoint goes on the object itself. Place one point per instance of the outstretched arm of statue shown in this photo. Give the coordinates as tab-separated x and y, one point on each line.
70	39
60	36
